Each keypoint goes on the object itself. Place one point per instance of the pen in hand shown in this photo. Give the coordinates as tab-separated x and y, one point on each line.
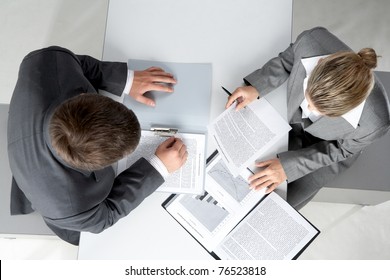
228	92
237	99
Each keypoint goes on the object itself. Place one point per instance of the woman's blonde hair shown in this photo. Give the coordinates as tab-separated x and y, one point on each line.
342	81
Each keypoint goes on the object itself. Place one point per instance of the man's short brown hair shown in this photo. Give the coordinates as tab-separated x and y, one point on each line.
91	131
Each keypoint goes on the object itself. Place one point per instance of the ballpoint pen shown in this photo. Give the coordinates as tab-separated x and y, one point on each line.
228	92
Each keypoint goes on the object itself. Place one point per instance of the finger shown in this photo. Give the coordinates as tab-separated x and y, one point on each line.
183	150
242	104
162	74
232	98
160	87
257	175
178	144
229	102
145	100
156	71
263	163
271	188
163	78
154	68
259	182
169	142
262	185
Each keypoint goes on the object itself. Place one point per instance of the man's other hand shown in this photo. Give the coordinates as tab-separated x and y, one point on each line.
153	78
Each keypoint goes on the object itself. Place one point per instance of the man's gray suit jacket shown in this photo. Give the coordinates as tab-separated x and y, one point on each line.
69	200
318	151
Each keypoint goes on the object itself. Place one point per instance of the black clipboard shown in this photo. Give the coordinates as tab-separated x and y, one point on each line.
172	197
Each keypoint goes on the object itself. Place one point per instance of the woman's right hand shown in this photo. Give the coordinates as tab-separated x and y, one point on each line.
243	95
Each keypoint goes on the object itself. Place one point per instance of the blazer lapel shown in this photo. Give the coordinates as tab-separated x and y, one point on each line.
295	98
330	128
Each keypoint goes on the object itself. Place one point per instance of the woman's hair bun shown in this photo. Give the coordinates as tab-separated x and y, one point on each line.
369	57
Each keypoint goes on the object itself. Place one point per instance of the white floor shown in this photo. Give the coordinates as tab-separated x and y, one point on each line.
347	231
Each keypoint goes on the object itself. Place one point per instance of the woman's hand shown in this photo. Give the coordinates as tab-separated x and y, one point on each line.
270	177
243	95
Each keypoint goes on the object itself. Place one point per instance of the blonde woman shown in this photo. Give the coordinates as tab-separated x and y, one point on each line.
336	107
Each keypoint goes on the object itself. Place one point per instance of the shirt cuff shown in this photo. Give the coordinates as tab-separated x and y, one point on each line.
129	81
159	166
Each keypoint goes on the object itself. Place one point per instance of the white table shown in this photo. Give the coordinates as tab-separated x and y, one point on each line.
237	37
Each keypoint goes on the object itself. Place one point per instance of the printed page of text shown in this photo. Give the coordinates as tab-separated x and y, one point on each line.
242	136
272	231
189	178
211	216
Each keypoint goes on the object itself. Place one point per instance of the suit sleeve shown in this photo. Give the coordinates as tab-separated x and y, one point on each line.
129	189
108	76
299	163
277	70
274	73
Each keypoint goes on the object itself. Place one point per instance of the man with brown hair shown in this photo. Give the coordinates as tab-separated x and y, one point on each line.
63	138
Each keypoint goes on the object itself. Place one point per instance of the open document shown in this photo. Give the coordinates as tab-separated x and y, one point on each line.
233	222
186	109
243	136
189	178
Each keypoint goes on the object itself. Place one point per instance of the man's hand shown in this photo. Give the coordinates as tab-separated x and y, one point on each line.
153	78
271	177
173	153
243	95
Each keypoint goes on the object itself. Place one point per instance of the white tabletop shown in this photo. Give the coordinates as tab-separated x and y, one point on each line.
237	37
